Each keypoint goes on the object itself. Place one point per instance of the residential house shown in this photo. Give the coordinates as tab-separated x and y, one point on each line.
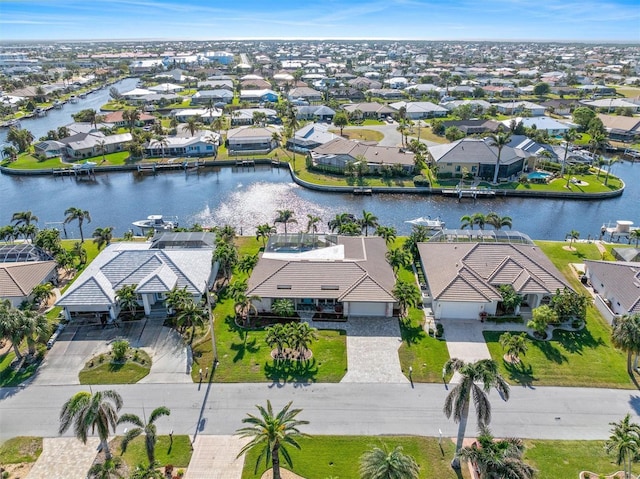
24	266
419	110
245	116
617	287
204	97
203	143
386	93
315	112
203	115
370	109
115	118
344	276
346	93
259	96
560	106
310	136
621	128
477	106
338	152
254	84
463	278
226	84
251	140
473	127
166	88
305	94
91	144
50	148
520	107
612	105
542	123
364	83
154	272
478	157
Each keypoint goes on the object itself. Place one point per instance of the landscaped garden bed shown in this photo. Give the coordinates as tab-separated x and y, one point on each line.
114	367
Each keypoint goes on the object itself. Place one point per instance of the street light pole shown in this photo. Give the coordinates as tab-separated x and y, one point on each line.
213	335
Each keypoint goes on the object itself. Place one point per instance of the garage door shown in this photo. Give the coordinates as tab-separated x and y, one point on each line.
458	310
367	309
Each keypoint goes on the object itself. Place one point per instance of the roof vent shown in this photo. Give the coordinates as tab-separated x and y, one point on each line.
284	286
331	287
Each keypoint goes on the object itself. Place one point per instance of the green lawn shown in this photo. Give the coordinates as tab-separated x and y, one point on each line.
27	161
360	134
20	449
566	459
107	372
10	377
178	454
323	457
595	184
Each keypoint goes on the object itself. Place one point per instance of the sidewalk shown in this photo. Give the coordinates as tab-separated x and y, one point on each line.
214	457
64	458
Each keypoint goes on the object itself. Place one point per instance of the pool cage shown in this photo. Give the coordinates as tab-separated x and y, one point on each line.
299	242
480	236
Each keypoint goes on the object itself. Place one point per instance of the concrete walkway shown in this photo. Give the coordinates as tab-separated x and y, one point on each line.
171	358
214	457
372	349
64	458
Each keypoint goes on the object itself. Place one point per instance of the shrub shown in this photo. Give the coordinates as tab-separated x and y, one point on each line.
119	349
420	180
439	330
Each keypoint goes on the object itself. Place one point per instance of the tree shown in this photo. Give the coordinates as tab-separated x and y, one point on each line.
283	307
510	298
408	296
498	221
419	234
634	234
476	380
127	298
101	147
582	116
86	411
247	262
479	219
312	223
497	459
20	138
148	429
10	327
73	214
340	120
380	463
514	345
243	304
264	232
625	334
568	137
41	294
285	217
191	314
103	236
300	336
609	163
398	258
192	125
272	434
131	117
541	89
369	220
226	255
24	218
276	337
109	469
573	235
499	140
624	443
466	221
177	298
541	317
386	232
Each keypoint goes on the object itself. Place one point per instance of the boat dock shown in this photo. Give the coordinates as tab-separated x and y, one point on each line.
170	164
362	191
469	193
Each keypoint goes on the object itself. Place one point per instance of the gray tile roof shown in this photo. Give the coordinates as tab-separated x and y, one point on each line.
622	280
473	150
473	271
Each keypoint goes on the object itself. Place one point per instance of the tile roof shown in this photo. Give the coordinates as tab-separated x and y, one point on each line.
473	150
19	279
622	280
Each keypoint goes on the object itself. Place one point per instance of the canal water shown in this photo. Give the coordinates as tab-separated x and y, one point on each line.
246	197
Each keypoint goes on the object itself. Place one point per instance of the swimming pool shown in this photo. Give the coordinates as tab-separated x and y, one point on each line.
538	175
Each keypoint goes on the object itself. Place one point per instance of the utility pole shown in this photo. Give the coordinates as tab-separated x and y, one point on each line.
213	335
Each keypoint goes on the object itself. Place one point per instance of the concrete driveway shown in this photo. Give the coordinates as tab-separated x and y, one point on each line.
78	343
372	349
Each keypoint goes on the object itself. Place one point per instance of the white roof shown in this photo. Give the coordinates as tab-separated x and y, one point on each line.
165	87
138	92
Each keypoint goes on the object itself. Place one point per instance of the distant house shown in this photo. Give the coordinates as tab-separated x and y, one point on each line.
220	95
419	110
50	148
115	118
305	94
342	276
463	279
370	109
154	272
364	83
251	140
479	158
561	106
310	136
338	152
257	96
204	143
386	93
203	115
616	285
520	107
477	106
22	268
90	144
166	88
473	127
245	116
216	85
612	104
315	112
542	123
346	93
621	128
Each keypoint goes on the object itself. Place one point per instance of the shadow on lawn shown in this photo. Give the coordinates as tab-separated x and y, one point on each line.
411	333
521	373
292	371
244	347
550	351
576	341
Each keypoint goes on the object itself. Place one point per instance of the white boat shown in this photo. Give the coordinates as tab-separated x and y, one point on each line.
622	229
87	165
434	224
156	223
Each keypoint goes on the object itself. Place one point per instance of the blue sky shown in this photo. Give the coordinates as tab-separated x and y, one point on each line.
607	20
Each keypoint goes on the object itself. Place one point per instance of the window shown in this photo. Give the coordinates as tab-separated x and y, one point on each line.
457	168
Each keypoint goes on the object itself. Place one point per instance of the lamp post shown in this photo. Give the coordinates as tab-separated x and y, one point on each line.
213	335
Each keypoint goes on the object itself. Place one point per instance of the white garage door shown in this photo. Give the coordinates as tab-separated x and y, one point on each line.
367	309
458	310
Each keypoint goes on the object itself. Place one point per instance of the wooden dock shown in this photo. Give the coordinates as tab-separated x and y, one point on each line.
245	163
469	193
362	191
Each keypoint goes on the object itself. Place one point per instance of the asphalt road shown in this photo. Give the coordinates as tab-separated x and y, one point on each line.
368	409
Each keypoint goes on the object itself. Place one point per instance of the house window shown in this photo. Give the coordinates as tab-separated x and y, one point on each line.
159	296
457	168
474	169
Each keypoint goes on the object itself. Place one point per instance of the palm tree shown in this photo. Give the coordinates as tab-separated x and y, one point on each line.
73	214
34	328
609	164
386	232
625	334
514	345
497	459
177	298
86	411
192	125
312	223
285	217
479	219
10	152
24	218
398	258
247	262
192	314
272	433
380	463
568	137
103	236
243	305
108	469
466	222
160	141
408	296
10	326
264	232
624	443
369	220
498	221
101	147
276	337
148	429
499	140
302	335
476	379
41	293
226	255
127	298
573	236
340	220
635	235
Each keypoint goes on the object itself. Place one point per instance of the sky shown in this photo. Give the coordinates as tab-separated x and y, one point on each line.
566	20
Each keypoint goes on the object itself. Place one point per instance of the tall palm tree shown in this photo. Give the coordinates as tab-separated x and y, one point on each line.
380	463
160	141
34	328
41	293
226	255
285	217
408	296
73	214
386	232
264	232
192	125
497	221
514	345
573	236
127	298
635	235
148	429
466	222
476	380
624	443
609	163
101	147
302	335
24	218
340	220
97	411
569	136
312	223
191	314
497	459
103	236
499	140
10	327
479	219
398	258
272	433
625	335
177	298
369	220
